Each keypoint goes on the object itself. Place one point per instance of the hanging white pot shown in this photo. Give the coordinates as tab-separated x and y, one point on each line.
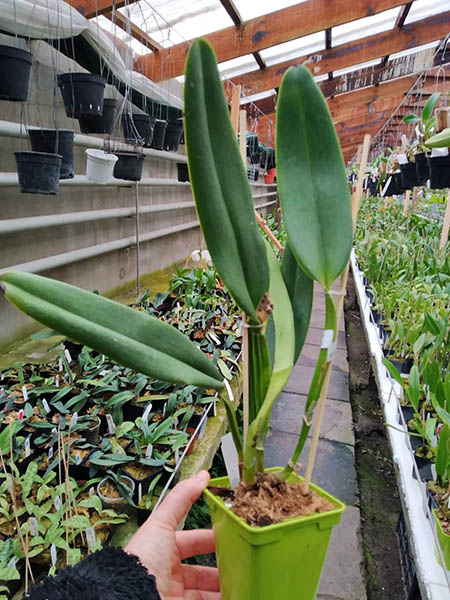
100	165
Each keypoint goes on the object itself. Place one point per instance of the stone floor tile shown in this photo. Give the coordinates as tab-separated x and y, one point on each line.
301	378
310	353
315	335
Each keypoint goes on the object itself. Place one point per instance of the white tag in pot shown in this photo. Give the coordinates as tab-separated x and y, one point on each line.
402	159
435	152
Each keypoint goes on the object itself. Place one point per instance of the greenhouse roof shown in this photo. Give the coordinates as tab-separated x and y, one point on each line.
348	44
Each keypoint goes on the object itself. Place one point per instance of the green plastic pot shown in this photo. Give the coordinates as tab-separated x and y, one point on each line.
282	561
444	541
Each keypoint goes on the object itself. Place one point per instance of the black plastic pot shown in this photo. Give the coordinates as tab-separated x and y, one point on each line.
159	134
38	172
58	141
373	187
183	172
391	189
139	127
82	94
422	169
402	366
92	434
173	135
408	176
439	172
144	483
103	123
424	468
253	173
15	69
129	166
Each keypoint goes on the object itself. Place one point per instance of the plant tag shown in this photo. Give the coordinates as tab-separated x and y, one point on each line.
177	455
327	339
91	491
20	415
60	365
147	410
230	457
386	185
33	526
331	351
215	408
74	419
54	435
53	554
139	493
57	381
402	159
149	451
90	537
164	409
57	502
78	458
67	355
103	373
45	405
2	392
25	393
111	425
50	453
201	433
27	447
10	485
433	472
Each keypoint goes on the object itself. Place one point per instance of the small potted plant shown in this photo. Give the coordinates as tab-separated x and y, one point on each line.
116	491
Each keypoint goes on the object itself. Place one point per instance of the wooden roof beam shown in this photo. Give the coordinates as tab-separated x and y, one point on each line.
95	8
138	34
399	22
265	31
353	53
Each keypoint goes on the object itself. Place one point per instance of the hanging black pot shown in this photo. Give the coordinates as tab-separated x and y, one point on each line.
15	69
138	127
102	124
439	172
159	134
183	172
57	141
390	187
398	183
129	166
82	94
422	169
173	135
38	172
408	176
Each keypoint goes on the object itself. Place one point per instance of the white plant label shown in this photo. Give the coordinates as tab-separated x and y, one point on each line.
230	457
27	447
111	425
57	502
60	365
177	455
201	433
139	493
327	339
149	451
12	563
25	393
386	185
2	392
164	409
91	491
77	458
67	355
146	414
215	408
53	554
74	419
103	373
57	381
45	405
90	537
50	453
33	526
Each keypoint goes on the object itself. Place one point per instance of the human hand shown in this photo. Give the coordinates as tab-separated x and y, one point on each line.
161	548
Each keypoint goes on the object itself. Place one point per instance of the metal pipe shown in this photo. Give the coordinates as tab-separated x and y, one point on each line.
18	130
11	179
59	260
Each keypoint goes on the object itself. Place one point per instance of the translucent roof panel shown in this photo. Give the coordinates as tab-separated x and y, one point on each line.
421	9
119	33
294	48
361	28
259	96
414	50
369	63
249	9
237	66
170	22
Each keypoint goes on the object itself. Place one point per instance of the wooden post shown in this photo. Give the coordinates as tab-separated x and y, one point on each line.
356	201
446	224
406	203
235	107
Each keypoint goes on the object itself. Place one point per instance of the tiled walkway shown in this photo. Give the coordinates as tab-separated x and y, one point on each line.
334	469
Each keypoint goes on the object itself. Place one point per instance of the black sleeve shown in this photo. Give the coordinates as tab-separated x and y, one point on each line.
109	574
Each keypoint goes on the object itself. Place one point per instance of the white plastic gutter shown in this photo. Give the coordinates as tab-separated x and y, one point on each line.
18	130
11	179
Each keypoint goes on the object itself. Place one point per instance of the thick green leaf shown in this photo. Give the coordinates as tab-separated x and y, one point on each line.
440	140
312	182
429	106
300	289
393	371
411	119
220	184
128	336
413	387
442	455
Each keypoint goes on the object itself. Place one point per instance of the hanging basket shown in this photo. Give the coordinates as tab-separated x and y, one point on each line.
422	169
408	176
15	69
82	94
439	172
173	135
282	561
129	166
38	172
100	166
159	134
103	123
138	127
58	141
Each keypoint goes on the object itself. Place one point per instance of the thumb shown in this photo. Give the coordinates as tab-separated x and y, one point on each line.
180	500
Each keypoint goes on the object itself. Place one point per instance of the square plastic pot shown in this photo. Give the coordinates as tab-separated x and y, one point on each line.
282	561
444	541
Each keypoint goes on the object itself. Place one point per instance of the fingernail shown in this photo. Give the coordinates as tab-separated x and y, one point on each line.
203	476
